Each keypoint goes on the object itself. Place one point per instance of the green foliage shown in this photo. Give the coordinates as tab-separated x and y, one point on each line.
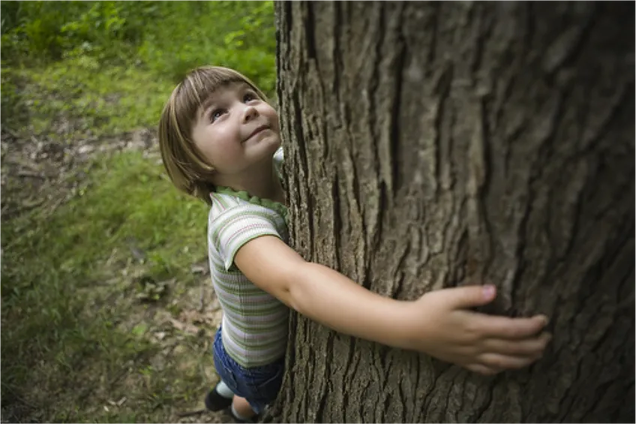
42	31
238	35
14	109
9	11
168	38
54	266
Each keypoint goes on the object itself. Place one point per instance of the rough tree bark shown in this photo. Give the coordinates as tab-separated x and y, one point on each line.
435	144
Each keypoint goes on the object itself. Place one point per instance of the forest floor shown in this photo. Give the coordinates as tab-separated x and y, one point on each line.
105	337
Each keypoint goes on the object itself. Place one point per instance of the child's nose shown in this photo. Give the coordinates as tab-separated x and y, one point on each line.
249	113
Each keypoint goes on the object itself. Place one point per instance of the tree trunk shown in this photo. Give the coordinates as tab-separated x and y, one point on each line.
436	144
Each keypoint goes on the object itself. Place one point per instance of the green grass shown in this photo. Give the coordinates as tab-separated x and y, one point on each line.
70	284
80	97
95	99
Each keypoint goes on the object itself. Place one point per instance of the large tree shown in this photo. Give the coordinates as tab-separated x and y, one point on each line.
436	144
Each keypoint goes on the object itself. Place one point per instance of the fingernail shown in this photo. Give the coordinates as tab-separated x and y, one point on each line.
488	291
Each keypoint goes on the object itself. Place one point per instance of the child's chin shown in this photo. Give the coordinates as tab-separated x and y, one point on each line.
272	144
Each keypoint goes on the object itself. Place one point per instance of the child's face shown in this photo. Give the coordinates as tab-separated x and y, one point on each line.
235	129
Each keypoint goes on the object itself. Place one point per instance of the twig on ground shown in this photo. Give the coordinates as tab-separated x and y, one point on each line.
190	413
25	173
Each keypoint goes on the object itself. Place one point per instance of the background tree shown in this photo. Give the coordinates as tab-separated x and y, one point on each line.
435	144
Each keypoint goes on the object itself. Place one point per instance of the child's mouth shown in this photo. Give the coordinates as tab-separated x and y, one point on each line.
258	130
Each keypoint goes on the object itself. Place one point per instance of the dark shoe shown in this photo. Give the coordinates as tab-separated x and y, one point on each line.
215	402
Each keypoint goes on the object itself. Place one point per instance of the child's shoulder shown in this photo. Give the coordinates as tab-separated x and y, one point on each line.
222	202
228	204
225	204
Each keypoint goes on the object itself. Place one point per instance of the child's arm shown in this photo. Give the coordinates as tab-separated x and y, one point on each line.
439	323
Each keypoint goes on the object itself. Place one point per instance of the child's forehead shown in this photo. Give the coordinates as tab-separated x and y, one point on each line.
222	90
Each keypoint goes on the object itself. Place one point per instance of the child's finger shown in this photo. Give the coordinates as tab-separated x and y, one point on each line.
482	369
525	347
512	328
497	361
469	296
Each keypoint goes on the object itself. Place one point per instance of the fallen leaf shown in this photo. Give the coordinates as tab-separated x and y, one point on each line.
183	326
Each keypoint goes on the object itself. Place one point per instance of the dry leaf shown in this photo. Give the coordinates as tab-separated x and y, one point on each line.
183	326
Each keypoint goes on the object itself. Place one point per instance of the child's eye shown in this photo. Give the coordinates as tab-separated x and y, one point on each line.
248	97
216	114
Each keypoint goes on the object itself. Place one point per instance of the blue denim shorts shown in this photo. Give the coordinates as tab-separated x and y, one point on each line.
258	385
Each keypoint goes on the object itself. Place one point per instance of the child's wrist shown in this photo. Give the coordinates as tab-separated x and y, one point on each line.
409	327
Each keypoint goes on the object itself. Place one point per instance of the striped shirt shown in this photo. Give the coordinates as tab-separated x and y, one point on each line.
254	322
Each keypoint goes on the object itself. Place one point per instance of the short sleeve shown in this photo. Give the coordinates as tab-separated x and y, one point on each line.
238	225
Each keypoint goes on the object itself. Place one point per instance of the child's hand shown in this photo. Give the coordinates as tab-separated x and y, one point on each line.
441	325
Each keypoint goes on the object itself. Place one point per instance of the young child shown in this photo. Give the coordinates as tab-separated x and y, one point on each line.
220	141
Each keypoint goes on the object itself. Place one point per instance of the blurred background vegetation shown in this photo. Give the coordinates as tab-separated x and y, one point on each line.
106	307
92	52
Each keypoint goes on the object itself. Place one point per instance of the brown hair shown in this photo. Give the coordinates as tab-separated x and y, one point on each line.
184	163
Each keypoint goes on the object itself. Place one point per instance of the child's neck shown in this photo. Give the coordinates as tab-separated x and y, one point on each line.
262	182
